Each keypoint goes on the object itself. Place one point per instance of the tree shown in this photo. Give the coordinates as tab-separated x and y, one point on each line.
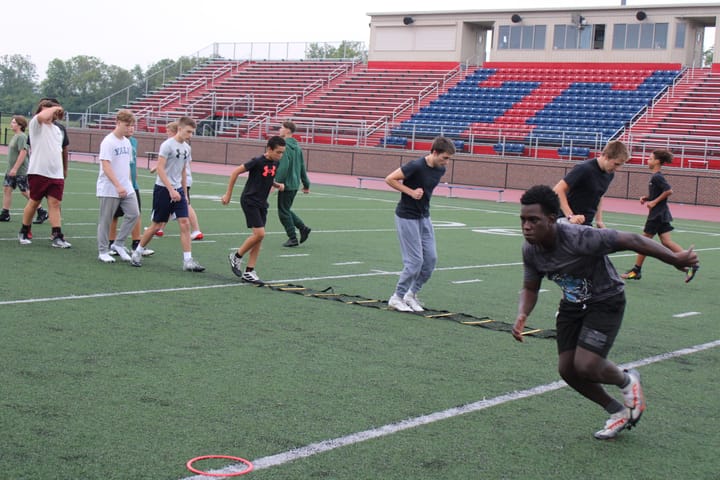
18	84
83	80
346	49
708	56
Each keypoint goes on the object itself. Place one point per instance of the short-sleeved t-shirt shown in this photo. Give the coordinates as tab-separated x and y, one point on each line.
178	155
578	263
588	183
261	175
46	153
17	144
658	185
117	151
418	174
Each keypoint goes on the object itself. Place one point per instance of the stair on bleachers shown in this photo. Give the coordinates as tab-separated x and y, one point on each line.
686	121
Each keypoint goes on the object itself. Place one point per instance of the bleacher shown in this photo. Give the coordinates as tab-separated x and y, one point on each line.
568	109
686	121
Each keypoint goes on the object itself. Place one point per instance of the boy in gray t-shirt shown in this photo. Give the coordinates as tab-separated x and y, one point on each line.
593	303
170	194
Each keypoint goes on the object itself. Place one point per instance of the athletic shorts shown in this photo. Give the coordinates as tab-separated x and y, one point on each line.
657	227
163	206
255	217
592	326
41	187
119	212
18	181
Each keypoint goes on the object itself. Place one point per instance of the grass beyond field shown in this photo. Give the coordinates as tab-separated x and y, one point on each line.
115	372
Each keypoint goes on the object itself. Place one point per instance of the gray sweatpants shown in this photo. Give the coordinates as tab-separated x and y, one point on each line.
108	207
419	255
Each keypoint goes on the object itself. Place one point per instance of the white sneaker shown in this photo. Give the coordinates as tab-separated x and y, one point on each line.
615	424
121	251
634	397
397	303
192	266
147	252
136	259
412	301
106	258
59	242
196	235
251	277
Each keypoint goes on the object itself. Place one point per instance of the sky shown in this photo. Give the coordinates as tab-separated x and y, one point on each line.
142	32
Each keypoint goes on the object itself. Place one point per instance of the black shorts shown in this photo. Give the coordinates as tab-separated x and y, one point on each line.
119	212
657	227
592	326
19	182
255	217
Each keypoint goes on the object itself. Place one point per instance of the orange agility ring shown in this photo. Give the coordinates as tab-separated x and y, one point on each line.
248	465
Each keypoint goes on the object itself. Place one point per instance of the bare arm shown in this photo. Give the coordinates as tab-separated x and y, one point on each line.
599	214
664	195
395	181
231	184
526	304
562	188
18	162
645	246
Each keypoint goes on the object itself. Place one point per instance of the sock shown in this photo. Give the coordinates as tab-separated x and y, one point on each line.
25	229
249	269
135	244
614	406
237	255
187	256
56	232
111	243
626	380
140	249
5	210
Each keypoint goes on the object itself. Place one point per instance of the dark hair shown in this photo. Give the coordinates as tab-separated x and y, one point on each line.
275	141
663	156
289	125
443	145
46	103
543	196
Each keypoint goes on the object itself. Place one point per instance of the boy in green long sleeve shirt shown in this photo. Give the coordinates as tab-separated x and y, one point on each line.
291	172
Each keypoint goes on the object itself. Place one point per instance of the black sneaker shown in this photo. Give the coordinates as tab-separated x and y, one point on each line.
291	242
304	233
42	215
5	216
632	274
690	274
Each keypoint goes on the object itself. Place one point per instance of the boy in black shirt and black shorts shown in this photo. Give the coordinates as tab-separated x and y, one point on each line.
261	179
659	216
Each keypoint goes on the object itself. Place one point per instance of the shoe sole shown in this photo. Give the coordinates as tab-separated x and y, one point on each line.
634	421
254	282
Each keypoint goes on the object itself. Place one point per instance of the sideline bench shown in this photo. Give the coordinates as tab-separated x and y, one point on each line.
151	156
449	186
84	154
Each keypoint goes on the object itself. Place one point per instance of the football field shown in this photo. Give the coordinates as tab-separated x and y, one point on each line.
115	372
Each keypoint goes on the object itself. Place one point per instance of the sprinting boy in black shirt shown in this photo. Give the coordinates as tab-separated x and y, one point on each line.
261	179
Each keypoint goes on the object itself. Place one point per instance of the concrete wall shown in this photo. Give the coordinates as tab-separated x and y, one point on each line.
691	186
